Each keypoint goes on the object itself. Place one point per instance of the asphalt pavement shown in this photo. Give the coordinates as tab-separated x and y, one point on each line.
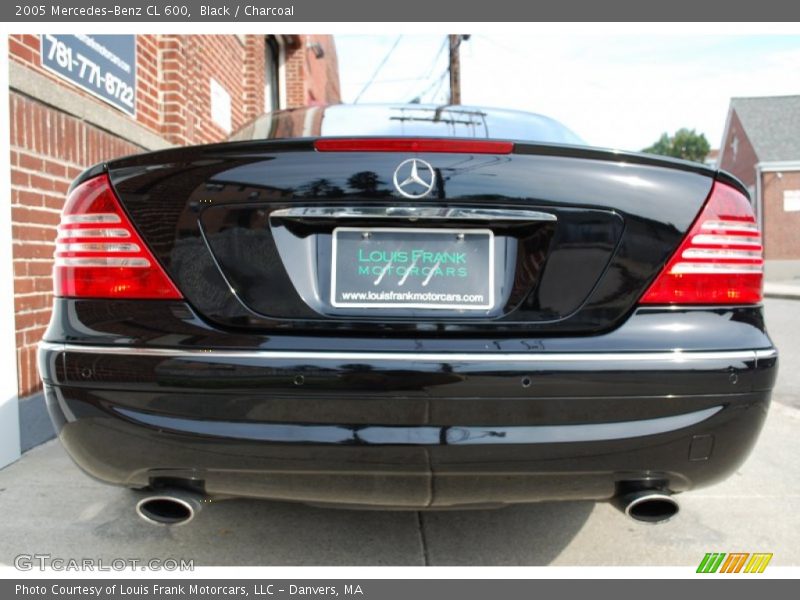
50	507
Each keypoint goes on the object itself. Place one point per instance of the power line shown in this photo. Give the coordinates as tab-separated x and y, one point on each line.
439	80
452	69
428	87
380	66
398	80
436	58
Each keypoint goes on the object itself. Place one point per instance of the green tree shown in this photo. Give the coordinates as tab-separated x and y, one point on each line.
686	144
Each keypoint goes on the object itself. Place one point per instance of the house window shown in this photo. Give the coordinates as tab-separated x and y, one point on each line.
220	106
791	200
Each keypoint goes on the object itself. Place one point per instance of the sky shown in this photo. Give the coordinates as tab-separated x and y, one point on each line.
617	91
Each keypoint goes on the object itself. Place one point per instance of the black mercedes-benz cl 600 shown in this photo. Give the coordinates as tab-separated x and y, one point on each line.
407	307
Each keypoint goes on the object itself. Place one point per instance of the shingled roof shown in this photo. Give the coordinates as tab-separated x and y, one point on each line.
772	124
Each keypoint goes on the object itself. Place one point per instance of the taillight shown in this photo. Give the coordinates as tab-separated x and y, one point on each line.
720	261
99	254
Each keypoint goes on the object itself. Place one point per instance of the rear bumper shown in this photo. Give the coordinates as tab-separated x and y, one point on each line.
407	429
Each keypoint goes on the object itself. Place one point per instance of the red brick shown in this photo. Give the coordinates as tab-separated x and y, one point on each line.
40	182
24	214
50	148
20	51
34	233
34	336
55	169
20	178
32	249
40	269
31	302
29	162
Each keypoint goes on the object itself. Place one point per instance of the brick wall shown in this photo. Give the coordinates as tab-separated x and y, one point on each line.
187	65
781	228
48	150
295	63
25	50
50	147
254	65
780	234
321	77
310	80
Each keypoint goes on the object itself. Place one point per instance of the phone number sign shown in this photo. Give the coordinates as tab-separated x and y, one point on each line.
103	65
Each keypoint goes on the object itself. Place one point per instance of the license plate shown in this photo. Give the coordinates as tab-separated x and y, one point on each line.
412	268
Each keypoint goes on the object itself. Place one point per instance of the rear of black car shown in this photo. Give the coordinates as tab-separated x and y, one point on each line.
407	322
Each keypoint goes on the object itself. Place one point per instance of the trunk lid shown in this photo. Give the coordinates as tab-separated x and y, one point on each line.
273	235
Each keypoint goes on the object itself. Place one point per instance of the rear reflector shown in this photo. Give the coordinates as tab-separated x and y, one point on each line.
720	261
413	145
99	254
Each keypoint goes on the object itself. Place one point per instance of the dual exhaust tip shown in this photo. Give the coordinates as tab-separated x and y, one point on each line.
647	505
173	507
170	507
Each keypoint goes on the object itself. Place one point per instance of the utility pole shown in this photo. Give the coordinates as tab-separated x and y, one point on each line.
455	69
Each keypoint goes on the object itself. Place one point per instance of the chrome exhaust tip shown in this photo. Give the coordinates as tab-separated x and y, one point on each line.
648	506
169	507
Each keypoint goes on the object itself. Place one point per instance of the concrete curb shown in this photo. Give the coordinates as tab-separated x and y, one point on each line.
34	422
782	290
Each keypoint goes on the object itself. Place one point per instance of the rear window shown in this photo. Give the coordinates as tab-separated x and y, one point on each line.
410	120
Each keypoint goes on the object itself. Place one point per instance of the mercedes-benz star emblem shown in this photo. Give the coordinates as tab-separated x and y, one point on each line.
414	178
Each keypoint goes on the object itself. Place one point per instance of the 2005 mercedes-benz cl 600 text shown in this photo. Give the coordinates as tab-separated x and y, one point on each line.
407	307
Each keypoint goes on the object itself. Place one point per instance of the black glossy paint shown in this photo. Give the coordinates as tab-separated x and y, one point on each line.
205	212
397	430
366	447
413	434
178	325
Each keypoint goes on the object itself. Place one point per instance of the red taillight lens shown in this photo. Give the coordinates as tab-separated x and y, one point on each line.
412	145
721	259
98	252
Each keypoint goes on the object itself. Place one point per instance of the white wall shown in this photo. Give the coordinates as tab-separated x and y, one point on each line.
9	410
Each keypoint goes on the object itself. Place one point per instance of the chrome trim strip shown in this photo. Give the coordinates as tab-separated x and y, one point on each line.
768	353
91	218
676	356
412	212
134	262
